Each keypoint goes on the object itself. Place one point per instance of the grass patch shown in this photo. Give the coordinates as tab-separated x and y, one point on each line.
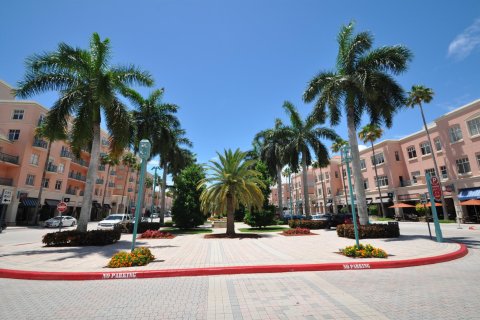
382	219
266	229
446	221
187	231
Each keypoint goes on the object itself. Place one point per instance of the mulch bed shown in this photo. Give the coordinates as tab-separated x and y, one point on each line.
296	235
236	236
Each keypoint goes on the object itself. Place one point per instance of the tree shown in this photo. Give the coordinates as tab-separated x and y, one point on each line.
416	96
186	211
363	82
336	147
129	161
107	160
371	133
89	87
148	184
230	183
303	135
287	173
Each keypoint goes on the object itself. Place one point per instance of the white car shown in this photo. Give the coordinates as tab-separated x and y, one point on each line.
109	222
67	221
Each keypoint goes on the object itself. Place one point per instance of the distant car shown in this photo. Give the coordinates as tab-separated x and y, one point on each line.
112	220
67	221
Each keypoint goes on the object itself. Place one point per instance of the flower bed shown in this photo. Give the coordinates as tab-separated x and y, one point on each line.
143	226
297	232
156	234
363	251
139	257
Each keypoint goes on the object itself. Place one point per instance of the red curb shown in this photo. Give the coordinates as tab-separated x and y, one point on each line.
192	272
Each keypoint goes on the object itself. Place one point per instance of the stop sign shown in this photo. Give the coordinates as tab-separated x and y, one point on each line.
436	190
61	207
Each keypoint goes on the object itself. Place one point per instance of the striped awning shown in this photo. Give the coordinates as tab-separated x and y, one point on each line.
51	202
29	202
469	193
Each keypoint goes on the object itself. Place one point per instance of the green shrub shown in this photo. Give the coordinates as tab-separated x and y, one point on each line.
373	209
345	210
75	238
371	231
363	251
143	226
420	209
310	224
139	257
259	219
168	224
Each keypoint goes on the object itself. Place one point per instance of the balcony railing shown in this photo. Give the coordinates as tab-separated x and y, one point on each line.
101	168
40	143
8	158
66	154
407	183
52	168
80	162
99	181
6	181
77	176
111	185
71	191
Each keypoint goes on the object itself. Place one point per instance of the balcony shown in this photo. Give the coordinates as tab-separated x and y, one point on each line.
81	162
71	191
111	185
408	183
39	143
52	168
8	158
99	181
77	176
6	182
101	168
66	154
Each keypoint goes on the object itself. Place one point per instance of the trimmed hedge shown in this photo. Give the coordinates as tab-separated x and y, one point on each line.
75	238
143	226
308	224
371	231
139	257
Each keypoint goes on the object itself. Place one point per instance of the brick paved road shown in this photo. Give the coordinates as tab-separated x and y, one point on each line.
443	291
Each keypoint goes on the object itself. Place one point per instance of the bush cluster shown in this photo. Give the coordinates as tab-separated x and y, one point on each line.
143	226
363	251
139	257
371	231
310	224
156	234
259	219
75	238
296	231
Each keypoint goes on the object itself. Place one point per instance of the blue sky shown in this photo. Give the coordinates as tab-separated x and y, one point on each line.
229	65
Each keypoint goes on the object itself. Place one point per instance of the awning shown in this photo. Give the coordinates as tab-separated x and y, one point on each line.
107	206
96	205
51	202
469	193
29	202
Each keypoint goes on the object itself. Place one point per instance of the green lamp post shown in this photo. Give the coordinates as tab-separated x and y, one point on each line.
153	200
346	159
144	153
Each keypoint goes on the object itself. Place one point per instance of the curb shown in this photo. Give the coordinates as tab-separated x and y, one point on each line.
192	272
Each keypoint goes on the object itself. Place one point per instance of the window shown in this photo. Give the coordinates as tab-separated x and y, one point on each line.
13	134
382	181
61	168
18	114
397	156
30	180
327	176
443	172
415	174
365	184
336	174
58	184
378	159
363	165
40	120
425	148
430	171
455	133
329	191
319	192
463	166
437	143
474	126
34	159
46	182
412	153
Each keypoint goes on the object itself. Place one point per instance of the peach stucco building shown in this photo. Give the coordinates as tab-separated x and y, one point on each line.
402	164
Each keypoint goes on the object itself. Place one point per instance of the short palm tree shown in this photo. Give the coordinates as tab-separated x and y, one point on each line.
336	147
130	162
303	136
110	161
416	96
89	87
231	182
363	82
371	133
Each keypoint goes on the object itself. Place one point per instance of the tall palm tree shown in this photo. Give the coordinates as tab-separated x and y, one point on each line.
416	96
371	133
51	133
147	185
130	162
110	161
336	147
303	136
363	82
89	87
231	182
287	173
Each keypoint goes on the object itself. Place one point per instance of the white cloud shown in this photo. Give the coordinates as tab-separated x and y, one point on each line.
465	42
362	147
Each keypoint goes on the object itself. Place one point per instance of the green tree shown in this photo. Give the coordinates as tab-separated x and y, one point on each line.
371	133
186	211
230	183
89	87
363	82
130	162
110	161
336	147
303	135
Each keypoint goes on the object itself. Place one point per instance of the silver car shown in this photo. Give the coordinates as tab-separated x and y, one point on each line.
109	222
67	221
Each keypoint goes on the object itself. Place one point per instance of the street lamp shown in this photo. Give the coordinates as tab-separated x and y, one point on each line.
153	200
144	153
346	159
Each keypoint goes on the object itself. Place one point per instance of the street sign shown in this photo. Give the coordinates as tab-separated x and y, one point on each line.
61	207
436	190
66	200
423	198
6	196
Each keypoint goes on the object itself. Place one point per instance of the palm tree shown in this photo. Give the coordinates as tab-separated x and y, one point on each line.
232	182
129	161
271	143
51	133
363	82
108	160
336	147
89	87
147	185
303	135
287	173
371	133
418	95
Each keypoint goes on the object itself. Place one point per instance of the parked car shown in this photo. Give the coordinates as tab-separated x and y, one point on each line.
334	219
67	221
112	220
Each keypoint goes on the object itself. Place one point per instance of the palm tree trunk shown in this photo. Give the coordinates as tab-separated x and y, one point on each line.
378	184
230	217
344	187
124	188
44	173
306	200
105	188
90	183
444	206
323	192
164	188
357	171
280	190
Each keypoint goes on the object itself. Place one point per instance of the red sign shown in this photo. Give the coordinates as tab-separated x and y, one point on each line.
436	190
61	207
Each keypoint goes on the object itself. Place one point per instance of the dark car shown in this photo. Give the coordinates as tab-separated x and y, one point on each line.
340	218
